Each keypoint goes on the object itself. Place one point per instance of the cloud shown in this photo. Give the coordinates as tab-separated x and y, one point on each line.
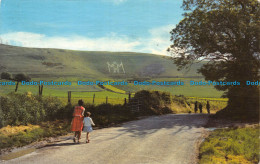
157	42
108	43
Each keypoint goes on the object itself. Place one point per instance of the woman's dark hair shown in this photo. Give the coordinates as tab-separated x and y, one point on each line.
80	102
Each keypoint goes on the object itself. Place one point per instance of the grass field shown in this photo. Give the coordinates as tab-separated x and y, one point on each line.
231	146
115	94
186	90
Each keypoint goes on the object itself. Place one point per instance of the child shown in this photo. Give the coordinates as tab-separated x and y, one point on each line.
87	125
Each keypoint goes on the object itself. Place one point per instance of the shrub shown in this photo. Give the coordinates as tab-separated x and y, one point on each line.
53	107
2	123
22	109
154	102
6	75
108	114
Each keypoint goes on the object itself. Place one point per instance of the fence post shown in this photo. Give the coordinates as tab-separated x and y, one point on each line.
39	90
94	98
69	97
106	99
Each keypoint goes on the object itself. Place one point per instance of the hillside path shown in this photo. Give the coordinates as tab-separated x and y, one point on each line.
167	139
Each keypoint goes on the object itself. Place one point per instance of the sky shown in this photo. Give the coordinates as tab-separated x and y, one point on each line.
93	25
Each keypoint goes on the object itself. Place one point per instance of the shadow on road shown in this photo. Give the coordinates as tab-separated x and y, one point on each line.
175	122
59	144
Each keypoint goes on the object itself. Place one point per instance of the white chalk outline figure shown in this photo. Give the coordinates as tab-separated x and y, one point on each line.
116	67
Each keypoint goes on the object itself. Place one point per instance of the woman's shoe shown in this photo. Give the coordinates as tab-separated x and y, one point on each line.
74	139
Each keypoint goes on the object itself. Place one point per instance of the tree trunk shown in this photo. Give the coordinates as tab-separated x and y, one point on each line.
16	88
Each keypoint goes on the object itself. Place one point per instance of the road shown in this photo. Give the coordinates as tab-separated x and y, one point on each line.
167	139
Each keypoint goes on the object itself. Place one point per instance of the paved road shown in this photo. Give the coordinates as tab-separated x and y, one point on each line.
168	139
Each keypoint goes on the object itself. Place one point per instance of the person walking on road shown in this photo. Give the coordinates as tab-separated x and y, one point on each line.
87	125
200	107
196	107
77	122
208	107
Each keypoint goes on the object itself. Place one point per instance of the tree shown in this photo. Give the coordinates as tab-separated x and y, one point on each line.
6	75
225	33
19	78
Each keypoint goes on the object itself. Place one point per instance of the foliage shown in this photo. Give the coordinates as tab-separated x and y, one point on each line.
2	123
108	114
231	145
6	75
22	77
23	109
154	102
225	33
53	107
19	78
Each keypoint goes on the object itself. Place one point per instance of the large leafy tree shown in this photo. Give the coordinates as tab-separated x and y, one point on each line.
19	78
6	75
225	33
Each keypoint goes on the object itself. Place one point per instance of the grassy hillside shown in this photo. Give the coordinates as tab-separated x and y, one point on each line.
51	63
62	65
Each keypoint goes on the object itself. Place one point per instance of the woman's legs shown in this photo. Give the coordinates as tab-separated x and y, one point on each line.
75	135
79	135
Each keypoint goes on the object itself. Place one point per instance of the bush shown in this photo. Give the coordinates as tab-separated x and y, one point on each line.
23	109
53	107
108	114
154	102
2	123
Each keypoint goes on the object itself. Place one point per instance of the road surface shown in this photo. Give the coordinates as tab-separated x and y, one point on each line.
167	139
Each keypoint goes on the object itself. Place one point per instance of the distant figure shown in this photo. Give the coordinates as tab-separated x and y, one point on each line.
77	122
87	125
196	107
200	107
208	107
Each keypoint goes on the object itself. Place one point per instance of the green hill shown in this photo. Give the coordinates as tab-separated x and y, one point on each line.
49	63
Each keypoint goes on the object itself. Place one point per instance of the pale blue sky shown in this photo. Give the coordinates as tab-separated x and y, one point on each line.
100	25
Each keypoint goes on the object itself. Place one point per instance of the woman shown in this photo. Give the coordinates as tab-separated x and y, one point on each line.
77	122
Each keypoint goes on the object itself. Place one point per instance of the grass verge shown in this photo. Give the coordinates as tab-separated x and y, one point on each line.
231	146
18	136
